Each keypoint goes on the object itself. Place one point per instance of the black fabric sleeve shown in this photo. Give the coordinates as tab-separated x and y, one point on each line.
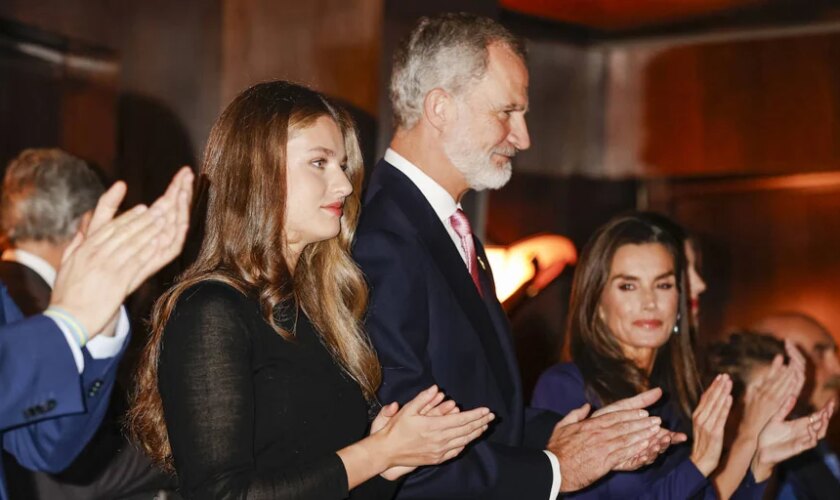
205	380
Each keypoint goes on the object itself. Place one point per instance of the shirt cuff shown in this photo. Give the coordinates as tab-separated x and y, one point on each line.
556	478
101	346
73	342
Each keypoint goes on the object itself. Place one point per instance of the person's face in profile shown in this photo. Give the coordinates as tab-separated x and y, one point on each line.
316	183
639	301
489	125
696	285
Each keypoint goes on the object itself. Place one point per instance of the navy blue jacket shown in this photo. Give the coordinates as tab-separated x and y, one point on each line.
430	326
48	412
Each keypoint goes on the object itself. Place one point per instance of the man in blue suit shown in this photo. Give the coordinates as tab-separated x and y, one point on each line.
47	196
48	409
56	384
459	92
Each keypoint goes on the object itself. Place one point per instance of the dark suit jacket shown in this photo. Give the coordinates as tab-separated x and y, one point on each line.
810	478
48	412
430	326
26	287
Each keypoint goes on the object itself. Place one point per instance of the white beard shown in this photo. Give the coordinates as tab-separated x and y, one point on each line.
479	170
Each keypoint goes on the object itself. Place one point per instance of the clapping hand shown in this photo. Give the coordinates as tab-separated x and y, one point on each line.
426	431
101	268
781	439
617	435
770	391
709	421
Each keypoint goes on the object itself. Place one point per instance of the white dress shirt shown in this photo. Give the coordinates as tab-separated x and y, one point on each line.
444	206
99	347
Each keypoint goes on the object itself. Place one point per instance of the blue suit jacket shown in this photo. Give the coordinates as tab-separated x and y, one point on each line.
48	412
430	326
672	476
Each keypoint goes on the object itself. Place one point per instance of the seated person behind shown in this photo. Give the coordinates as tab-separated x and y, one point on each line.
748	356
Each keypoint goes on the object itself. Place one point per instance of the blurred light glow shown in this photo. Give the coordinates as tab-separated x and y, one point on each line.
513	265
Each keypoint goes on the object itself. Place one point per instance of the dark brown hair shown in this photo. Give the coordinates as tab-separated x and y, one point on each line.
593	347
244	182
740	354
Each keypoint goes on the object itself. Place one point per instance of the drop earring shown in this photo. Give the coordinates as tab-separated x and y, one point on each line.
676	329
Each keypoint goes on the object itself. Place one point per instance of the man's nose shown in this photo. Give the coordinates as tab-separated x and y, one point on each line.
519	133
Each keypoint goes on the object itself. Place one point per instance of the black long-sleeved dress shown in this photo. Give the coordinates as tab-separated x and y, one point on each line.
251	415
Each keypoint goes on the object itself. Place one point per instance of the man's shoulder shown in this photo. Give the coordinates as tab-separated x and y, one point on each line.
11	270
25	287
384	208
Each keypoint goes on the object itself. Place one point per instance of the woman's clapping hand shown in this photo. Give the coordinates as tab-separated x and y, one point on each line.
426	431
709	420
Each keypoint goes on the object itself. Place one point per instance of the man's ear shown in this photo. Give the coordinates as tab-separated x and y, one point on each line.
439	108
84	222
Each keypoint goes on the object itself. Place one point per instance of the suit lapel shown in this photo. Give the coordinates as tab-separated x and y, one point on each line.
485	275
417	209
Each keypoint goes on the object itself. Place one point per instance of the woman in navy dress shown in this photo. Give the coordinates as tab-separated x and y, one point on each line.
629	330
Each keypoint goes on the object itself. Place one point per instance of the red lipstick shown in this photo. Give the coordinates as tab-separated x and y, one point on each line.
650	324
336	208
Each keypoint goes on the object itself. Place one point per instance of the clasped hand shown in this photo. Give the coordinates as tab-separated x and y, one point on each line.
426	431
620	436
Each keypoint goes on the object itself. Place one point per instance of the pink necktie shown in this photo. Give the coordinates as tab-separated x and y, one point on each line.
462	228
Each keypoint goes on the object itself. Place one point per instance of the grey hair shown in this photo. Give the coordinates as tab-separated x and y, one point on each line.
45	193
446	51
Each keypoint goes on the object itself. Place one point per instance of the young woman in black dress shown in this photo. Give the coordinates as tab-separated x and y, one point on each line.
258	379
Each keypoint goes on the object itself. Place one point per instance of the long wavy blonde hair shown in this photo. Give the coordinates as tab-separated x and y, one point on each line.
243	182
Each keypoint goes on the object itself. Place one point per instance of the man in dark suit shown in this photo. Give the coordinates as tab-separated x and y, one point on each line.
459	90
814	474
59	367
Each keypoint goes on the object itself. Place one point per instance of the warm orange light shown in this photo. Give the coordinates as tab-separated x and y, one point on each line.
513	265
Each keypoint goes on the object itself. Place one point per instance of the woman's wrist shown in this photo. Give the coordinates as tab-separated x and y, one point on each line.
749	430
703	466
760	471
746	443
379	452
365	459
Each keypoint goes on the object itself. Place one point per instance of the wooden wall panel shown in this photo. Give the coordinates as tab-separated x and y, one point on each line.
170	59
54	93
768	106
331	45
769	244
742	102
623	14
